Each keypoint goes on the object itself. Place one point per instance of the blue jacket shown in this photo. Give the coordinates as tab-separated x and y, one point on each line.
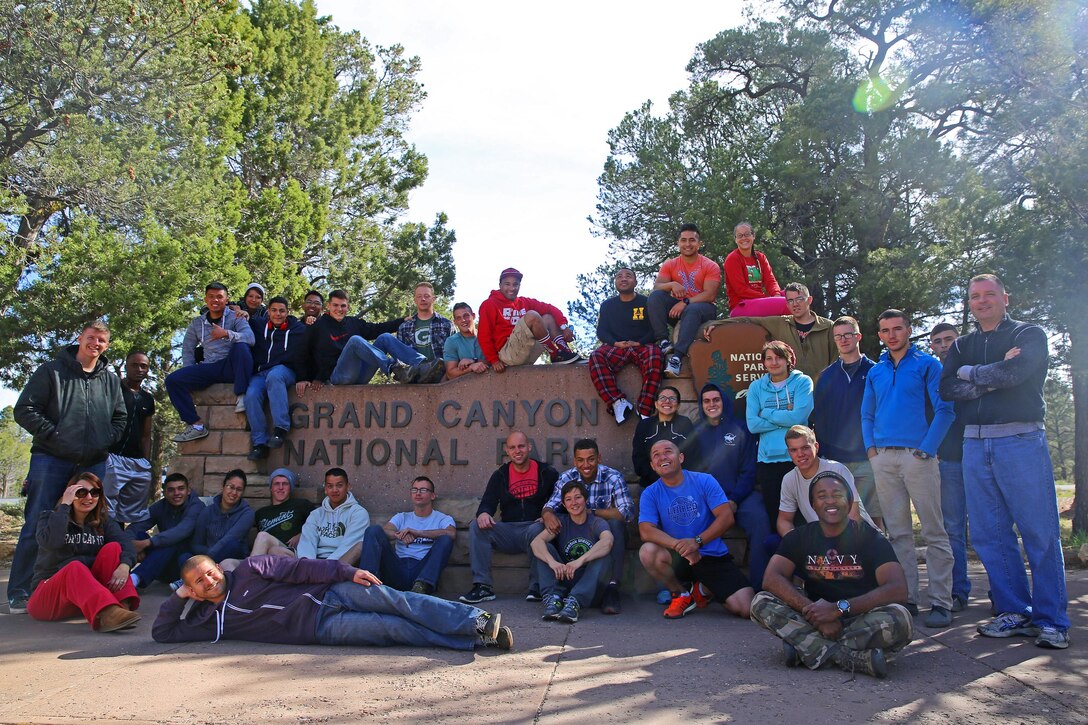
285	345
216	530
175	523
902	405
727	451
771	412
836	411
269	599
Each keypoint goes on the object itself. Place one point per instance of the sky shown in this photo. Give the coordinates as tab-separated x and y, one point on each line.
520	99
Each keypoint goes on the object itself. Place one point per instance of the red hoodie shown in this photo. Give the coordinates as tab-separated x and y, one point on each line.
498	316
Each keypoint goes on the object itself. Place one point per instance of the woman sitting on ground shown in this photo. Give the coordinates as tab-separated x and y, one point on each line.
83	564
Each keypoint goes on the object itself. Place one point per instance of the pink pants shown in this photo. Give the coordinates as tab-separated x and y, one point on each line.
75	588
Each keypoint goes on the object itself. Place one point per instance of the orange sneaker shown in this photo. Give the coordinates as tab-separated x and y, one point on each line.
680	605
701	600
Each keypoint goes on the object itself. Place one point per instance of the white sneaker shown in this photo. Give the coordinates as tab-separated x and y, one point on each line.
240	406
620	409
672	366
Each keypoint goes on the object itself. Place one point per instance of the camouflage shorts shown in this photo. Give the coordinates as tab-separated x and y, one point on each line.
890	628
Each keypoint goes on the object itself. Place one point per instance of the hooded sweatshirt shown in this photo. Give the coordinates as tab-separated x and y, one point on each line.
329	532
199	333
272	599
727	451
328	337
175	523
283	345
216	529
62	541
72	414
498	316
771	411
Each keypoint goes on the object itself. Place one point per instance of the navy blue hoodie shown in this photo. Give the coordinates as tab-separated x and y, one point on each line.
284	345
727	451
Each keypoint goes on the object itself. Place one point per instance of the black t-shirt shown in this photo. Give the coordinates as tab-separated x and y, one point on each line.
140	406
837	568
284	520
804	329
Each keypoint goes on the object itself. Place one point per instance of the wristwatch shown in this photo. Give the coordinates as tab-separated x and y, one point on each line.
698	540
844	607
920	454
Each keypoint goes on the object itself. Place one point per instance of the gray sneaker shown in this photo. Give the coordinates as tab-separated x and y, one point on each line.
191	434
1052	638
938	618
672	366
1009	624
959	603
867	661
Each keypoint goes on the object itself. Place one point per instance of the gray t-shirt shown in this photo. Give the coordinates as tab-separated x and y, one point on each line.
795	491
574	540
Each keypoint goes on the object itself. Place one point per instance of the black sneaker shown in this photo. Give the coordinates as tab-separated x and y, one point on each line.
478	593
610	601
790	654
569	613
565	357
487	625
533	595
279	436
433	372
401	373
259	452
17	604
867	661
503	639
422	587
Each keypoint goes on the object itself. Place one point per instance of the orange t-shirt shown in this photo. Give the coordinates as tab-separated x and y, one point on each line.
692	277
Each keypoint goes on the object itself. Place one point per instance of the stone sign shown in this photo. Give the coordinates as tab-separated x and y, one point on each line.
730	360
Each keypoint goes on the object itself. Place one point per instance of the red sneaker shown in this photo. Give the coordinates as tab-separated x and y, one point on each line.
701	600
680	605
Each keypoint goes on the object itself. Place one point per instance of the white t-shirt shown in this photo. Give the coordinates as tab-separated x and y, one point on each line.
795	491
408	520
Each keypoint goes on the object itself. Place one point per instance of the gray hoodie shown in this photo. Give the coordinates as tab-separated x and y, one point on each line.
328	533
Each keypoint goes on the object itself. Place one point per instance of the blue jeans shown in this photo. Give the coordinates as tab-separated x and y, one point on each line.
237	368
752	517
47	479
585	585
272	383
356	615
401	572
361	359
693	317
1010	481
509	538
954	508
158	564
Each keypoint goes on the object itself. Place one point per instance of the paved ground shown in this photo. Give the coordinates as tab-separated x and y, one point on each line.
707	667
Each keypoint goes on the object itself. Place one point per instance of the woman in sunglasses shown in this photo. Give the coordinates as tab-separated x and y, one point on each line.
83	562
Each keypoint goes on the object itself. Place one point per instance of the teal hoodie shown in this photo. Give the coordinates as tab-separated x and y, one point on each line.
772	411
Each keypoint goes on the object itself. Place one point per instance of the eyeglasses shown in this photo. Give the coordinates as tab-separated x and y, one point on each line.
845	336
414	491
668	399
794	300
85	492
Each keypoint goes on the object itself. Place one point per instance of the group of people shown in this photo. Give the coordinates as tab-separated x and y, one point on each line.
953	436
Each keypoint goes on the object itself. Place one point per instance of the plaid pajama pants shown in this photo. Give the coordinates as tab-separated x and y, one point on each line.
606	361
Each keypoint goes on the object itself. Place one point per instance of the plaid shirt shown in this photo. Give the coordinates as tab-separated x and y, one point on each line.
607	490
440	331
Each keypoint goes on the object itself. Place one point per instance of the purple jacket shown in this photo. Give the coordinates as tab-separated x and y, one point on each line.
269	599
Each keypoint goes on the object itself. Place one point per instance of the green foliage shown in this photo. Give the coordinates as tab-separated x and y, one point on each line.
14	455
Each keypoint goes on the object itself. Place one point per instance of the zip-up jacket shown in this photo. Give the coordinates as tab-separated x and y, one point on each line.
327	338
199	333
727	451
215	529
771	411
273	599
498	316
836	411
999	391
62	541
283	345
175	523
497	495
329	532
902	405
650	430
73	415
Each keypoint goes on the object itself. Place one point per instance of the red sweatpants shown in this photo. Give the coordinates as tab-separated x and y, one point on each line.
75	588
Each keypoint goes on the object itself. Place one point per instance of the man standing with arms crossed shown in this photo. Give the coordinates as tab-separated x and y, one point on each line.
995	374
74	408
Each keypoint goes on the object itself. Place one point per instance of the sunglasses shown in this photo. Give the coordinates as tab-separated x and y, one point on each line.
85	492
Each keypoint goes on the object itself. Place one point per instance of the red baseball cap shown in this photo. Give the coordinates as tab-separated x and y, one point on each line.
510	272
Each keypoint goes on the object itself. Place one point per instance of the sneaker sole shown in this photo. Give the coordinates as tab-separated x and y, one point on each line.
1018	632
504	640
678	616
466	600
1047	644
567	620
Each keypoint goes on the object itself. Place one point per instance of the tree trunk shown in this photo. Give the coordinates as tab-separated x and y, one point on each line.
1078	347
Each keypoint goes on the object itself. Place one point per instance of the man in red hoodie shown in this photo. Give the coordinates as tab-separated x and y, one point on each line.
511	327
